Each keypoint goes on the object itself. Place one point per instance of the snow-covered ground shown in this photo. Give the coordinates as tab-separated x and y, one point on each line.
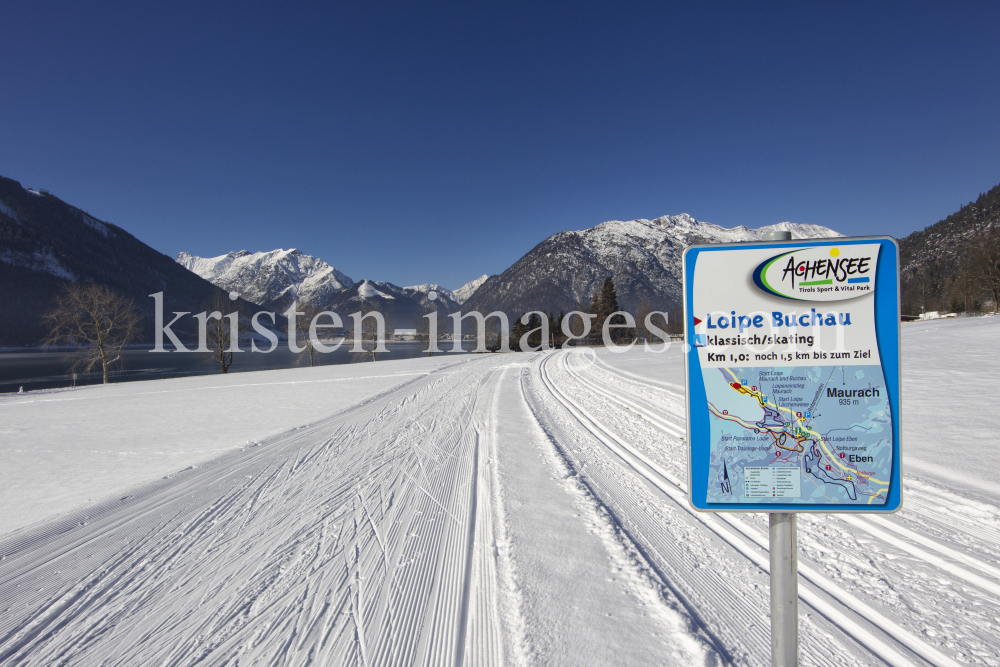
62	449
485	509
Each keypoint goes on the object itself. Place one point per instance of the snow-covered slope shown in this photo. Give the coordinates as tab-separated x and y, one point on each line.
401	306
276	278
642	256
444	299
561	273
427	288
270	278
43	261
367	290
462	294
458	296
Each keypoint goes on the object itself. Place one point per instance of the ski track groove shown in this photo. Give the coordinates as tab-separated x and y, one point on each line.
353	540
751	528
701	596
919	507
643	466
985	535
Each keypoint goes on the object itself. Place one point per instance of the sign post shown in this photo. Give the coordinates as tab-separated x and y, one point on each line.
783	545
792	369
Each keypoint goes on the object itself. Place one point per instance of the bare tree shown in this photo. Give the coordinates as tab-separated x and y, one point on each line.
224	332
921	283
666	321
983	262
965	287
307	312
675	321
555	331
96	319
368	337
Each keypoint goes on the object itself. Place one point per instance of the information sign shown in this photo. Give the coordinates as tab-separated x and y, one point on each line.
793	375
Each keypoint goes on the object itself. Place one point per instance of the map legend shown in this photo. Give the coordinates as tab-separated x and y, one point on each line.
772	482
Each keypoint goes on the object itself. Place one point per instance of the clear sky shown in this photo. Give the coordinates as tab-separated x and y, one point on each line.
421	142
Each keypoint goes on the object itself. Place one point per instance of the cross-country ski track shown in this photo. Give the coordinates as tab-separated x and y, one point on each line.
509	509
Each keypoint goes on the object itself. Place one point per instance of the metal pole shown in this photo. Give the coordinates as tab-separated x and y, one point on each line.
784	546
783	543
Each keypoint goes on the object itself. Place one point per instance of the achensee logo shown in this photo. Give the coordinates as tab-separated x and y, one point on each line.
823	273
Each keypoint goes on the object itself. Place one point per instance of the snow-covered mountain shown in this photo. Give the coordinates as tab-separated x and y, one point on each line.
401	306
427	288
273	278
560	273
642	256
462	294
444	298
454	297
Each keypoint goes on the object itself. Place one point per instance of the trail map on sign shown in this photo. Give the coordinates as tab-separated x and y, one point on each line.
793	376
799	434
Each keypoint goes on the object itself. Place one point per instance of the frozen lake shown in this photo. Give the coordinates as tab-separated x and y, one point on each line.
36	369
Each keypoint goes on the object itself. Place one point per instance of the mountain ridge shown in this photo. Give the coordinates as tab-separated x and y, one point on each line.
46	242
272	279
642	256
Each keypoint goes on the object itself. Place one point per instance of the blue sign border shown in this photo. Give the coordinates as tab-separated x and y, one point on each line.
888	336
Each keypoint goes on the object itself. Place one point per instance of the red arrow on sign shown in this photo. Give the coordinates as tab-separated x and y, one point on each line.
697	321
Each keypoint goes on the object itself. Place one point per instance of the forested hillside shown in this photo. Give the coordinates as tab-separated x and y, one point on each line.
45	242
942	264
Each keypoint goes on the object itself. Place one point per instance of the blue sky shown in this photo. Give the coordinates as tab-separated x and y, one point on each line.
425	142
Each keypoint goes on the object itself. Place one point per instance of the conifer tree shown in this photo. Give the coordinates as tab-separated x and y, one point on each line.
516	332
609	297
534	322
604	303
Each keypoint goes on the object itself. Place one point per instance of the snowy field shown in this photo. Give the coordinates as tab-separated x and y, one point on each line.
522	509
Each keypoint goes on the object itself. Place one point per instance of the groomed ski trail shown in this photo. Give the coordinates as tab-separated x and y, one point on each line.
362	539
918	567
382	535
878	632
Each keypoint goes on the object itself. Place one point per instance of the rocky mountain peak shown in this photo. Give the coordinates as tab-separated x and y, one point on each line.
273	278
642	256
